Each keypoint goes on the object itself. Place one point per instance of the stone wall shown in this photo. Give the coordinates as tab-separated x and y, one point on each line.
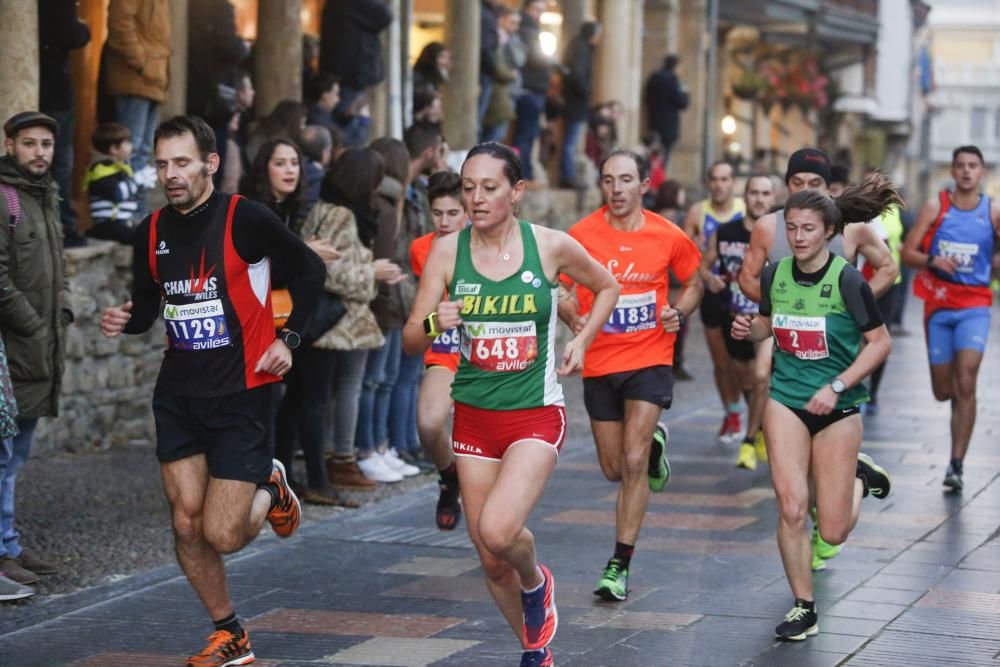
108	383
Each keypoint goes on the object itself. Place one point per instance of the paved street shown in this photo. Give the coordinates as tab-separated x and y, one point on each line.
918	583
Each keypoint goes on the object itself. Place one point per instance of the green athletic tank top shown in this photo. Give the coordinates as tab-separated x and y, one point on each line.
508	332
816	338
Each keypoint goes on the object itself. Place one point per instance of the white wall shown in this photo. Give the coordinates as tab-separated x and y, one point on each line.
895	53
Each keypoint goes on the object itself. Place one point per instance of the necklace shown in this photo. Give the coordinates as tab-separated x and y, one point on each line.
506	253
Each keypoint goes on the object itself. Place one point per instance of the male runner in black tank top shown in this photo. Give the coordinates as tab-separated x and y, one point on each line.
207	258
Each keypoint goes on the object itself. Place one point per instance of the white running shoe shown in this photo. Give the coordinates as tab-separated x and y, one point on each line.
376	469
397	464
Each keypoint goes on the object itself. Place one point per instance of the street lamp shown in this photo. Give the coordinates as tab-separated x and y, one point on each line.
729	125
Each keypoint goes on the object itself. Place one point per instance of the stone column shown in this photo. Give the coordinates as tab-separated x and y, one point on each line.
686	159
278	54
618	69
19	55
574	13
461	29
176	102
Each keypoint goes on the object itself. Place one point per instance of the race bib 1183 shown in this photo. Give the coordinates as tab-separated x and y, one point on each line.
633	312
500	346
805	337
196	326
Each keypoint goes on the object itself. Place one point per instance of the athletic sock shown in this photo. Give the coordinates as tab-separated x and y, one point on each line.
623	552
272	490
449	476
748	440
734	407
957	465
229	624
536	588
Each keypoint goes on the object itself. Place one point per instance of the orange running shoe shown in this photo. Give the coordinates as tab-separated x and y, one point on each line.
284	516
224	649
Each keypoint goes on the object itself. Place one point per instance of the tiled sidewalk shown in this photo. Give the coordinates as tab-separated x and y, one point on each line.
918	583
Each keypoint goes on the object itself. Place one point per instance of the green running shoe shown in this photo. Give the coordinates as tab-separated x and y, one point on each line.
613	585
659	466
821	550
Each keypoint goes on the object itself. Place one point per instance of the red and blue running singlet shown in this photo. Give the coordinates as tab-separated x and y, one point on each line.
217	307
967	238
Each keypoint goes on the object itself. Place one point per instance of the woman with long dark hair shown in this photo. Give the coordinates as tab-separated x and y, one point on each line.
430	71
819	308
275	178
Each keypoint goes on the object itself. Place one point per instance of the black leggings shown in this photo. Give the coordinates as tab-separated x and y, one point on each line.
304	412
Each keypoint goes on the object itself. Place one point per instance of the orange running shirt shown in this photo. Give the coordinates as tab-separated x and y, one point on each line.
444	350
633	336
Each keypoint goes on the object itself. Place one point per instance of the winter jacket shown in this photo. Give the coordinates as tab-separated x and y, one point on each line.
33	292
349	43
538	67
137	53
388	305
665	99
214	51
416	222
112	191
578	80
507	83
352	276
489	42
59	31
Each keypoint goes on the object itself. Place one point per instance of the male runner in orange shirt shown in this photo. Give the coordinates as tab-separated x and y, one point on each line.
627	370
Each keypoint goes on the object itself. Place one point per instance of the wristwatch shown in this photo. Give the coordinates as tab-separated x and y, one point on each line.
291	339
430	326
681	317
838	386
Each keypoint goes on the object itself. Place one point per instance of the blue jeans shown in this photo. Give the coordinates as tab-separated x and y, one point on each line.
139	115
62	169
403	406
485	90
529	107
373	406
13	454
571	136
494	133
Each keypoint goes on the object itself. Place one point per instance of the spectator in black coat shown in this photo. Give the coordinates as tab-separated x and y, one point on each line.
489	40
578	83
535	84
666	97
60	31
350	48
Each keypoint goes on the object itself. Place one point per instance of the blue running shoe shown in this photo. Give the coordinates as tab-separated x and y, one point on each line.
540	617
541	658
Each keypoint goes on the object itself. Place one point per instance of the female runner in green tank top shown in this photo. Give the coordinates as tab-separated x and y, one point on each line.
819	309
502	276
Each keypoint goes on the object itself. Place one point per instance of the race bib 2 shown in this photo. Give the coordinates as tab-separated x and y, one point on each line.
804	337
633	312
500	346
196	326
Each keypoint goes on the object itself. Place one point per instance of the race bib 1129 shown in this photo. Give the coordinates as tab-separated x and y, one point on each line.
196	326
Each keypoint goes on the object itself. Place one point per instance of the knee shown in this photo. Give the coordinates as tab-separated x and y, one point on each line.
942	393
187	526
793	510
834	533
965	386
498	537
636	461
223	541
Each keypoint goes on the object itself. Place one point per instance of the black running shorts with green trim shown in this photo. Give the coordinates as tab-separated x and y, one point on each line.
605	395
232	431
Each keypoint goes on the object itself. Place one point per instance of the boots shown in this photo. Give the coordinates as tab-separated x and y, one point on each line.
347	475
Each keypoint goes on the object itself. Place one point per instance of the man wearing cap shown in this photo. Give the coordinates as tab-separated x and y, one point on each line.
33	310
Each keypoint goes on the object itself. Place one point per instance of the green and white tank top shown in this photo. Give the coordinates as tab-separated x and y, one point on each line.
508	332
816	337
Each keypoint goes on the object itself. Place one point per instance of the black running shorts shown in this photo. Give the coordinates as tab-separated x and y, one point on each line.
605	395
741	350
232	432
816	423
714	309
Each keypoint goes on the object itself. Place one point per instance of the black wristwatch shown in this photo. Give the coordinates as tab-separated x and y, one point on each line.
291	339
681	317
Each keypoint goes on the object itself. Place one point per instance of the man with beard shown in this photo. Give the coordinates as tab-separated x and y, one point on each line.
208	256
627	377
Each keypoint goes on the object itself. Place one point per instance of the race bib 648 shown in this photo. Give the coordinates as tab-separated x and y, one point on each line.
500	346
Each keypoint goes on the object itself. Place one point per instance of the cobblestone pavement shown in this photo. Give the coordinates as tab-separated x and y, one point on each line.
917	584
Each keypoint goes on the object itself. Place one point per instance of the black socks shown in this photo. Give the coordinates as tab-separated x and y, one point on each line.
229	624
272	491
623	552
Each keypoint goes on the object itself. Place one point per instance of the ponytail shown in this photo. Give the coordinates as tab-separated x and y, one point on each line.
859	203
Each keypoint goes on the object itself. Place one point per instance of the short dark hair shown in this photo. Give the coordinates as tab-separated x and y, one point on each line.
423	98
204	136
354	177
641	164
320	84
512	168
668	196
108	135
758	174
971	150
314	140
671	61
839	174
395	156
444	184
717	163
421	136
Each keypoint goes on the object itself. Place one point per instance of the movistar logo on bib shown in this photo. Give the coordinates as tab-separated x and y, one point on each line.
500	346
196	326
